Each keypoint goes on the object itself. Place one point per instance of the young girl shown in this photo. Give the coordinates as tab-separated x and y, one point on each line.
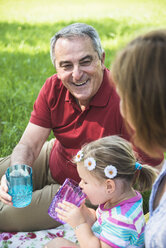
108	170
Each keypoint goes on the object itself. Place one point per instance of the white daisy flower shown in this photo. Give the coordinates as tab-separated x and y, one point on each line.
90	163
79	156
110	171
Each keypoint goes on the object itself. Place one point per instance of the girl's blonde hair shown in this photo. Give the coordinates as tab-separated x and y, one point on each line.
139	72
114	150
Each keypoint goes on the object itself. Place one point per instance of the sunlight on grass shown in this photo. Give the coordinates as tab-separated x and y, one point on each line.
51	11
26	27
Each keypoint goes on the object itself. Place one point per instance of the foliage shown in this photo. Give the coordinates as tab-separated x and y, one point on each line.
26	27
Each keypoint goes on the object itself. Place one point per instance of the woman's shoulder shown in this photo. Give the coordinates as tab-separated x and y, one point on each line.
155	232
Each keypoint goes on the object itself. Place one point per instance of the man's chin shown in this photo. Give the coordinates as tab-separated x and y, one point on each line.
82	99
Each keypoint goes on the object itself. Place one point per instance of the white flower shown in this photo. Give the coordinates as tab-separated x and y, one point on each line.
90	163
110	171
79	156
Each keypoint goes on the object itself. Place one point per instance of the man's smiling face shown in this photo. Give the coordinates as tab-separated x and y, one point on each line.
79	67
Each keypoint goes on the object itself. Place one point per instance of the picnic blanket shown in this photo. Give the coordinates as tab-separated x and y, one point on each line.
35	239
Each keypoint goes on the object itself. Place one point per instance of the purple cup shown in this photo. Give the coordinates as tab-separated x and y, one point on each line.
69	191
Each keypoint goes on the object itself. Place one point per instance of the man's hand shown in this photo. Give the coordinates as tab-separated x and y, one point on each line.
4	197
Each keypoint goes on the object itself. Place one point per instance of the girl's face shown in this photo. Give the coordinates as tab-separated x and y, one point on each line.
91	186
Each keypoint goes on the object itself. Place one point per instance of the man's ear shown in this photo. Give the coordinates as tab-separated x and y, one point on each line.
103	60
57	71
110	186
58	76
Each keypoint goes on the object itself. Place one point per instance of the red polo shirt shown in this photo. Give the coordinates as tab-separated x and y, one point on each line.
57	109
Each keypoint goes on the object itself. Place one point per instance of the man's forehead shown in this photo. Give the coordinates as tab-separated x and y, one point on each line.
75	37
81	40
74	49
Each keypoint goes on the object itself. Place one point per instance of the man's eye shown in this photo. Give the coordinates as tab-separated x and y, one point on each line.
86	62
66	67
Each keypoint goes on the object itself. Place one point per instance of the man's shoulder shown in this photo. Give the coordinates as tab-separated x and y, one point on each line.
52	87
108	78
109	86
53	80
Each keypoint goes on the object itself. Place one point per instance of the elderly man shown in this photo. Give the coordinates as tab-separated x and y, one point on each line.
79	104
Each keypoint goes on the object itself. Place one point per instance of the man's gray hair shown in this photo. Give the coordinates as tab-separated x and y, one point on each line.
81	30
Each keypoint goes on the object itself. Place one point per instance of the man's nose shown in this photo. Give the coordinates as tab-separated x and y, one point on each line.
77	73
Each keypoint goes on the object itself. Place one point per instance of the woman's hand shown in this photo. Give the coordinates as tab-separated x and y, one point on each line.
4	197
70	213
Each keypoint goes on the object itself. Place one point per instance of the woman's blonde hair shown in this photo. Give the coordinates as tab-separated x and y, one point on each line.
114	150
139	71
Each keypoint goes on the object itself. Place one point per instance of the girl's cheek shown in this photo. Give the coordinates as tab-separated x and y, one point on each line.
83	188
81	184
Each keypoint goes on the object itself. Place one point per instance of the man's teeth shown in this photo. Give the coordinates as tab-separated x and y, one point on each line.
82	83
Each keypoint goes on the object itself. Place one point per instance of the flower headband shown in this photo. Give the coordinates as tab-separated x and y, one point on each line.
90	163
110	171
79	156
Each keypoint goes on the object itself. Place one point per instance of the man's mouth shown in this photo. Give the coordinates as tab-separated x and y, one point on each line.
80	83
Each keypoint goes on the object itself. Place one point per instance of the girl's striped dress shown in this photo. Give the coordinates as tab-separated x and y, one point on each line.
123	225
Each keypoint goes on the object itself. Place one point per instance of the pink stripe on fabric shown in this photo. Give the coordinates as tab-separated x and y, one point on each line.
125	208
142	231
120	223
138	216
109	243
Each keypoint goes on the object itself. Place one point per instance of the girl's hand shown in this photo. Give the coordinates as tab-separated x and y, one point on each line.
70	213
89	214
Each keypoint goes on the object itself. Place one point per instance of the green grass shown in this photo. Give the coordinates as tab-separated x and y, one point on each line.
26	27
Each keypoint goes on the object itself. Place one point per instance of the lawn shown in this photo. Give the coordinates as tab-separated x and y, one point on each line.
26	27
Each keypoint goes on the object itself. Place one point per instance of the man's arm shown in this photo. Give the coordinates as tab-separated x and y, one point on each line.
30	144
25	152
